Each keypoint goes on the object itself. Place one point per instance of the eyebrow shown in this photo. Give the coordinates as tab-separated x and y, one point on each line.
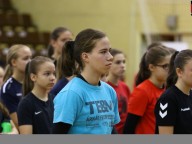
105	49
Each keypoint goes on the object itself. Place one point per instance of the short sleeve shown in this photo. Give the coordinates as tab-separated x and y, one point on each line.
138	102
25	113
67	106
116	111
10	102
165	111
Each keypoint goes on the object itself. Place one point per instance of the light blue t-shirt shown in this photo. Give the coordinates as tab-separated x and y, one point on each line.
89	109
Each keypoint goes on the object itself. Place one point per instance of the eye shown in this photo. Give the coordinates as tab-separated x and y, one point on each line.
103	52
166	66
118	62
47	73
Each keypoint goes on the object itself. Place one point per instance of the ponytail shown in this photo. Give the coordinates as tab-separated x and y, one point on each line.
28	84
172	76
144	72
4	110
8	72
66	63
50	51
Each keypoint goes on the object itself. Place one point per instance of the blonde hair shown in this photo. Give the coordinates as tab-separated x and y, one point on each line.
12	54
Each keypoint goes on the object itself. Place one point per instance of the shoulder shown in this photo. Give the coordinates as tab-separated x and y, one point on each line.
107	86
7	85
76	84
27	100
123	84
11	86
170	93
169	97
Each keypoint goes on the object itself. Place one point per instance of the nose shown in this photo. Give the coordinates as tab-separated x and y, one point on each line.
110	57
123	64
52	77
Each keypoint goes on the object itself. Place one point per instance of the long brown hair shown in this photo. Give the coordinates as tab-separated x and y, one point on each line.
33	67
84	42
153	56
4	110
178	60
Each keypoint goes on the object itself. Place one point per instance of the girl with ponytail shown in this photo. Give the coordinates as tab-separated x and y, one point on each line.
35	110
87	105
173	109
150	83
11	91
65	68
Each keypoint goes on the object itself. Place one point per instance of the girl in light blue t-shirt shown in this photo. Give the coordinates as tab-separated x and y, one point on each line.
87	105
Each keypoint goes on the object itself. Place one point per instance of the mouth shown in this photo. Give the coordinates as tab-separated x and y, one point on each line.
51	84
109	64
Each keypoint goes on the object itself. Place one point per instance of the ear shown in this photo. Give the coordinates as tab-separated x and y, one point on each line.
151	67
33	77
53	43
85	57
13	62
179	72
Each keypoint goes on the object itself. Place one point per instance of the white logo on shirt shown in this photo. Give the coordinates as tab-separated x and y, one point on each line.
163	107
36	113
18	94
162	114
185	109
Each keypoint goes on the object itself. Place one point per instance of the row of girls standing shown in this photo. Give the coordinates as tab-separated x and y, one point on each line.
25	116
85	105
31	111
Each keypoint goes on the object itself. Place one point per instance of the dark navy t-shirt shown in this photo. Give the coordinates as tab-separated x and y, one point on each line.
35	112
11	93
58	86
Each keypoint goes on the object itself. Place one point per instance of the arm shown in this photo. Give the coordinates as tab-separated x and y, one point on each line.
25	117
165	129
14	119
131	123
25	129
166	111
14	129
61	128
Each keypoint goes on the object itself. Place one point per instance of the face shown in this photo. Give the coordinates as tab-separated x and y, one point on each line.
185	75
118	66
160	70
1	76
24	56
45	77
99	60
61	40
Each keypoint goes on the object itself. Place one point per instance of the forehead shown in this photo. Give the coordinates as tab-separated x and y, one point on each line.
102	43
119	56
24	51
165	60
65	34
46	66
188	63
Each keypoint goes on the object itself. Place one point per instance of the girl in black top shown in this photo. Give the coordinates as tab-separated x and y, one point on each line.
35	111
173	110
